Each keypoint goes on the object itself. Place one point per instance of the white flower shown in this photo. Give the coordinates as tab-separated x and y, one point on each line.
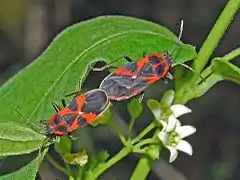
173	133
176	111
172	139
179	110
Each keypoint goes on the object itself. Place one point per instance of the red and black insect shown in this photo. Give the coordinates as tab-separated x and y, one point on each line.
133	79
81	111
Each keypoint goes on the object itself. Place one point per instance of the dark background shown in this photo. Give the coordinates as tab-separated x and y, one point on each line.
27	27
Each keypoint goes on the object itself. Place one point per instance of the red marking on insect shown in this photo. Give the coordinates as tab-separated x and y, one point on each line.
135	77
81	111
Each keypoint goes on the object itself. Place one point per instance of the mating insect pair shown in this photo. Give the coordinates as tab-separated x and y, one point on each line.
123	83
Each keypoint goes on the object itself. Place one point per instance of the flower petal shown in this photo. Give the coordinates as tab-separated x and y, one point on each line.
163	136
178	124
172	121
184	131
164	124
184	146
173	153
179	110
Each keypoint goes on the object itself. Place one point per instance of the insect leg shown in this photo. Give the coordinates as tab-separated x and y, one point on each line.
140	97
144	54
55	106
71	136
107	66
63	102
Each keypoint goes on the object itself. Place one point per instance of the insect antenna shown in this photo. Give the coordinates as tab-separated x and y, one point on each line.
191	69
33	126
178	41
175	48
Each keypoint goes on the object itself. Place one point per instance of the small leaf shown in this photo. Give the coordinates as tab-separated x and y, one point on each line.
78	159
96	160
27	172
26	141
226	69
134	108
64	146
103	118
155	107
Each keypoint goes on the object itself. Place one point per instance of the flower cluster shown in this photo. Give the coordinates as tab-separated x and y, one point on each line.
172	133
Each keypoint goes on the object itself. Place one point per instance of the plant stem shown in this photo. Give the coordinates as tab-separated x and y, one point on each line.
216	34
144	132
68	169
56	165
142	169
100	169
79	173
129	129
232	55
185	92
71	178
118	131
146	141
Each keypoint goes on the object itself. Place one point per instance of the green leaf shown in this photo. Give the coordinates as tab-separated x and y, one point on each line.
27	138
96	160
67	59
134	108
103	118
64	146
27	172
226	70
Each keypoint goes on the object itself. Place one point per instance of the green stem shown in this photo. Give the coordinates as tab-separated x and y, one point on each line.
79	173
216	34
228	57
139	151
100	169
68	169
142	169
204	87
56	165
185	92
71	178
232	55
130	126
146	141
118	131
144	132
